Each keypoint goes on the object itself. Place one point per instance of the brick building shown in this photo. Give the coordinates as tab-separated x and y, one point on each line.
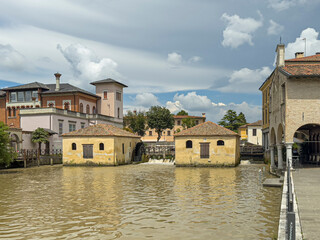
58	108
291	100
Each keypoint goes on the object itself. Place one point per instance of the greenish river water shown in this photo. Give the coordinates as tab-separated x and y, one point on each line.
137	202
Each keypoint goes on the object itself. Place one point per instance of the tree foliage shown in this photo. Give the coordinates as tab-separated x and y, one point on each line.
6	152
40	136
182	113
136	122
233	121
188	123
159	118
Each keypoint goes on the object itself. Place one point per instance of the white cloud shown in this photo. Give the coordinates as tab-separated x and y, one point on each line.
11	58
274	28
192	101
313	43
239	30
174	58
280	5
195	59
246	80
146	100
87	65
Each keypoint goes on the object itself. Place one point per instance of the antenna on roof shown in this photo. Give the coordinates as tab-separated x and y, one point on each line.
280	39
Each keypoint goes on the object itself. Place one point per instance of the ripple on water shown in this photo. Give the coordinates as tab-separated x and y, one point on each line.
137	202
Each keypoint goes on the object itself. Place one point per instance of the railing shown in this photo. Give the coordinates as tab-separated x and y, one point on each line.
291	216
160	151
34	157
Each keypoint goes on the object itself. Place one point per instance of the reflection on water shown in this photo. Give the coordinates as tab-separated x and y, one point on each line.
137	202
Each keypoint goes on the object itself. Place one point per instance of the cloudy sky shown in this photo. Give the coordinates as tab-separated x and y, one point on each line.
198	55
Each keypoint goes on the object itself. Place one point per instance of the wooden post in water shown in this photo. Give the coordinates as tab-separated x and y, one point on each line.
24	159
38	158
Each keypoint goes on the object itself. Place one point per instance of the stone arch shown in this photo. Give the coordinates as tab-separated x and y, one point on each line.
273	137
280	134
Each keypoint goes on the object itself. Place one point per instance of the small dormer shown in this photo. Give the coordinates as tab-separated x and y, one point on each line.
111	93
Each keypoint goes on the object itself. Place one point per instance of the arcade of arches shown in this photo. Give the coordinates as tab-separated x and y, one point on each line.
307	145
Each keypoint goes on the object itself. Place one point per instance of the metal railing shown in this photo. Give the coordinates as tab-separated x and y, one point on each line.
291	216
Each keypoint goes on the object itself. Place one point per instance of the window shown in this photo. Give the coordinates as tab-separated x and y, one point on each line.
101	146
189	144
105	94
204	150
74	146
150	133
93	110
66	106
28	96
13	97
81	107
197	122
169	133
82	125
87	109
72	127
35	95
220	143
20	96
9	112
118	112
118	96
122	148
254	132
178	122
60	128
247	131
50	105
283	93
87	150
13	112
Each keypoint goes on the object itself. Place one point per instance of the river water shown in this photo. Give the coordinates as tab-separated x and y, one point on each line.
137	202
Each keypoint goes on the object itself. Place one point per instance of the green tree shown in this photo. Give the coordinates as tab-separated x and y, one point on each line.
136	122
188	123
40	136
233	121
159	118
182	113
6	151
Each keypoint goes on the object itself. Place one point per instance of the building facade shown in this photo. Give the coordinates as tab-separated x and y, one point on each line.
291	100
168	134
207	144
251	132
59	108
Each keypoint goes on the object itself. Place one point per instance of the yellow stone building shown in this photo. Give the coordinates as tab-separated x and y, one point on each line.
207	144
100	144
168	134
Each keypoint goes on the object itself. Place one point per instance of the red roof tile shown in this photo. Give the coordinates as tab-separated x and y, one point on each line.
313	58
301	70
206	129
100	130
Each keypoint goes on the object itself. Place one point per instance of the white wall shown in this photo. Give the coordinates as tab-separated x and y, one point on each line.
255	139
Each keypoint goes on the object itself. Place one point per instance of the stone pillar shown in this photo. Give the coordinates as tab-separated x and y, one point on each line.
289	154
280	160
273	165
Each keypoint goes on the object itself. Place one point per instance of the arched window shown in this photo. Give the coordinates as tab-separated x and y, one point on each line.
88	109
74	146
93	110
81	107
66	106
101	146
220	143
50	105
9	112
13	112
189	144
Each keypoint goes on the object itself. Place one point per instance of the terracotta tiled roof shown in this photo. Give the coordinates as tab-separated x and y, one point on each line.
33	85
301	70
100	130
185	116
257	123
313	58
206	129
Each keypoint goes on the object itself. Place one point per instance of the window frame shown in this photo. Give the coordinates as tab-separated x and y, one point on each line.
101	146
189	144
254	132
73	146
220	143
205	150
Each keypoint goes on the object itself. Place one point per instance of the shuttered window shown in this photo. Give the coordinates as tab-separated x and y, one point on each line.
87	150
204	150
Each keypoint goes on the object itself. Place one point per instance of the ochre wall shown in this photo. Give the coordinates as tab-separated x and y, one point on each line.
111	155
243	133
227	155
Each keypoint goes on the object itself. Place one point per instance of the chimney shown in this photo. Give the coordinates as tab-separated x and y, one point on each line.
280	55
58	75
203	115
299	54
